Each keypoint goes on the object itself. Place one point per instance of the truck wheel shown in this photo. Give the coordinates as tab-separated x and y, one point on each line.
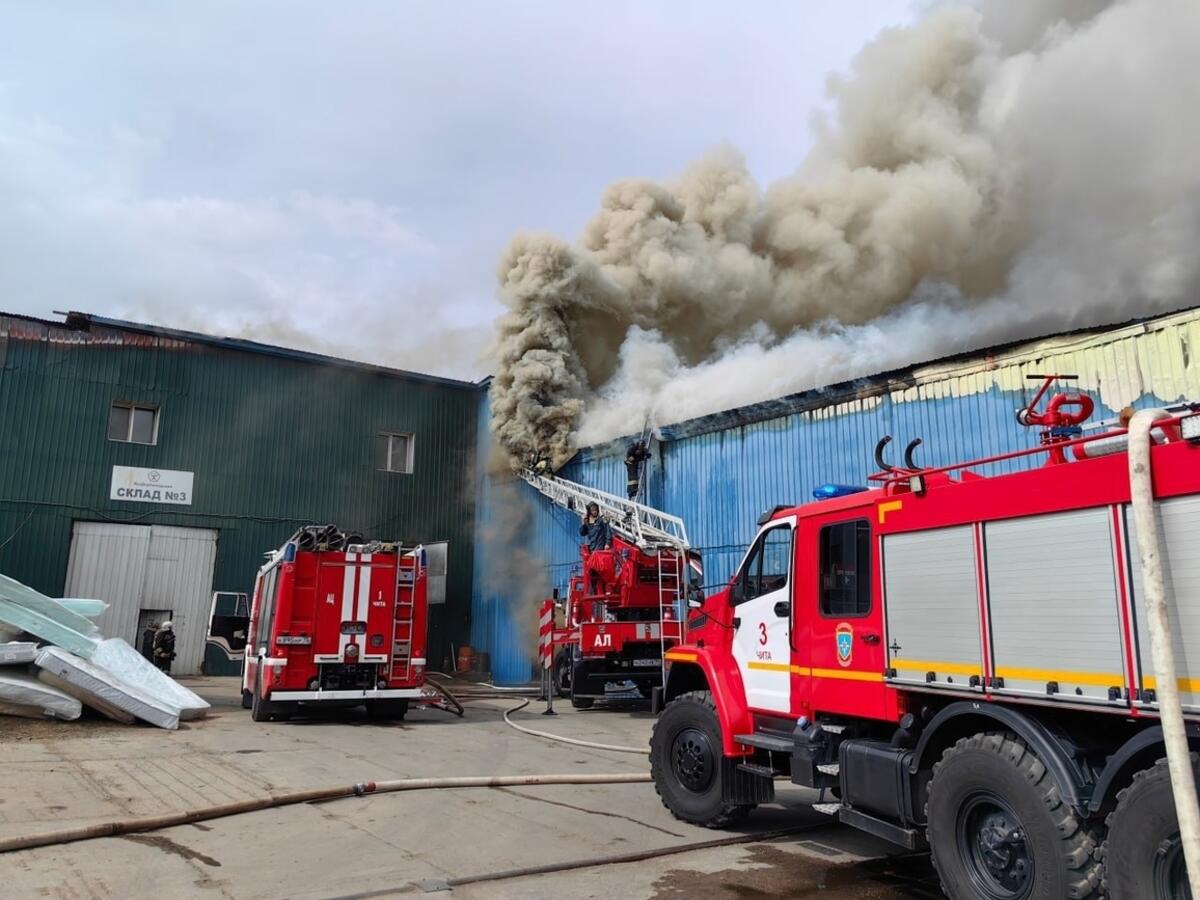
998	829
387	709
247	699
686	762
1143	857
583	702
261	709
562	675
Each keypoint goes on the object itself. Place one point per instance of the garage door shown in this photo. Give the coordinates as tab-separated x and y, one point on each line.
146	567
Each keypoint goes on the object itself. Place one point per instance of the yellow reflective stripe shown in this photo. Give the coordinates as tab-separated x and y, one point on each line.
890	506
1099	679
680	656
1187	685
927	665
847	674
770	666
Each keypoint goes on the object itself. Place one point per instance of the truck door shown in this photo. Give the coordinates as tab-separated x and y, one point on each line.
846	647
760	597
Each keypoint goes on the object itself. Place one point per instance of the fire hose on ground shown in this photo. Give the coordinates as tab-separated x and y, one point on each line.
575	742
1170	709
116	827
533	732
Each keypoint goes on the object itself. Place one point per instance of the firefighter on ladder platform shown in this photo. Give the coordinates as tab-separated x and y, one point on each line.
600	559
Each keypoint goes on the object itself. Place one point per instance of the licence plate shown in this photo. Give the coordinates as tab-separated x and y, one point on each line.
647	662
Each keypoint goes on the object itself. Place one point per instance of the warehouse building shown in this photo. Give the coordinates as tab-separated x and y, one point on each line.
721	471
151	467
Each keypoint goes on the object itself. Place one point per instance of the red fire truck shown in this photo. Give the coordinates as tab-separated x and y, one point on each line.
965	662
337	620
624	607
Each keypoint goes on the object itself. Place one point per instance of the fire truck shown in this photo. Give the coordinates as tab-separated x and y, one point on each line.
967	662
340	620
624	605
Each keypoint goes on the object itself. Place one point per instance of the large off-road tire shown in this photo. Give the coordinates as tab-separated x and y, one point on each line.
562	674
687	764
998	829
1143	858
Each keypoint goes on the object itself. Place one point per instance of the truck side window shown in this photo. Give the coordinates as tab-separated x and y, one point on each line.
846	569
767	566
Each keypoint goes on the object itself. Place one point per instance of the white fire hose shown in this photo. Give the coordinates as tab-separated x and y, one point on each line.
1170	710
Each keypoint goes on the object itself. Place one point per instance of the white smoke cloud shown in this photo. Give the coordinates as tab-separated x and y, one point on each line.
988	173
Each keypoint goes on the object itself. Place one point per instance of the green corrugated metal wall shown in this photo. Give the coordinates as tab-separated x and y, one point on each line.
273	442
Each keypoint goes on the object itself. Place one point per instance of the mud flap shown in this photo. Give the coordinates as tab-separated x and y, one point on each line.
739	786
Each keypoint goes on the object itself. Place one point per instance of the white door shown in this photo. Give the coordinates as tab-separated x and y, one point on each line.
136	567
761	598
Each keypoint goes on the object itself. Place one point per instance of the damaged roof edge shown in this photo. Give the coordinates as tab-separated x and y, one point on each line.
981	358
82	321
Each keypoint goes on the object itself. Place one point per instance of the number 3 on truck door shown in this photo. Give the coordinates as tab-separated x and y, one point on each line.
762	640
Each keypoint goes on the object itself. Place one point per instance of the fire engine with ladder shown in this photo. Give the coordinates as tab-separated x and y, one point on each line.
1003	668
339	620
624	608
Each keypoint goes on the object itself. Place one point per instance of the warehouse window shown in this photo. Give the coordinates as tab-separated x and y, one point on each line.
846	569
133	423
394	452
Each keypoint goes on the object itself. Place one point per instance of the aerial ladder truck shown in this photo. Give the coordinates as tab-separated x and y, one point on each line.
624	606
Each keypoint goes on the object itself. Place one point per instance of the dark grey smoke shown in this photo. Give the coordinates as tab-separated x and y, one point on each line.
992	171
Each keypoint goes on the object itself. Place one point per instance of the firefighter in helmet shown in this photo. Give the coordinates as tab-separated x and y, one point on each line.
164	646
634	457
598	554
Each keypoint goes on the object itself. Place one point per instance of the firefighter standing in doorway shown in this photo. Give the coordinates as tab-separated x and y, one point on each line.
164	646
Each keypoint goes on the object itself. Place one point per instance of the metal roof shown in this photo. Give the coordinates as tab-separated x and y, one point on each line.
93	325
868	386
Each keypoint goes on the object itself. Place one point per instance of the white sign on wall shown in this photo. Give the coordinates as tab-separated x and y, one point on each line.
151	485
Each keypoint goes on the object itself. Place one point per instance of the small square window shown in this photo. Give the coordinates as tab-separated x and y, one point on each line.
133	423
394	452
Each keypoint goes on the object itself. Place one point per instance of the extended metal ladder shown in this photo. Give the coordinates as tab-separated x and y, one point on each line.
643	525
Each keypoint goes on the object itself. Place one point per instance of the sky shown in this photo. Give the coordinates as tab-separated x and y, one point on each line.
344	177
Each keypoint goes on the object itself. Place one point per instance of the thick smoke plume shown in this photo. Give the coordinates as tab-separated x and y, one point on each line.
991	172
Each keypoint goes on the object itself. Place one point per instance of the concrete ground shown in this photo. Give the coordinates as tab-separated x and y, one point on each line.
458	843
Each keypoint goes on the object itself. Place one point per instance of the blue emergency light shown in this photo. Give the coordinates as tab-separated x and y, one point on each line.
829	491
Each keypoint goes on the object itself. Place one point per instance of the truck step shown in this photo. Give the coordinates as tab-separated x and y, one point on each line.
776	743
830	768
831	728
755	769
828	809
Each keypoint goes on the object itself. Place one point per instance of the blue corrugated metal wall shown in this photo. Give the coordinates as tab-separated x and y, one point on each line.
720	480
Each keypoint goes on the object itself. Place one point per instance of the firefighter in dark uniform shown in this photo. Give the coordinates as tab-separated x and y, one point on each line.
164	646
599	559
634	458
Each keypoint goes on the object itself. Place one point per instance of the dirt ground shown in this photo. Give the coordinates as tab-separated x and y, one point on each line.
585	841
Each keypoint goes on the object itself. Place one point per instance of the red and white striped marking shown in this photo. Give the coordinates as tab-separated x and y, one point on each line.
546	633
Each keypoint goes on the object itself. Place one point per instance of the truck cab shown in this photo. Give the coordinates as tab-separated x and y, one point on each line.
963	662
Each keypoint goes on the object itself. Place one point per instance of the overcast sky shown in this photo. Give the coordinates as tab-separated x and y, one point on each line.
343	177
